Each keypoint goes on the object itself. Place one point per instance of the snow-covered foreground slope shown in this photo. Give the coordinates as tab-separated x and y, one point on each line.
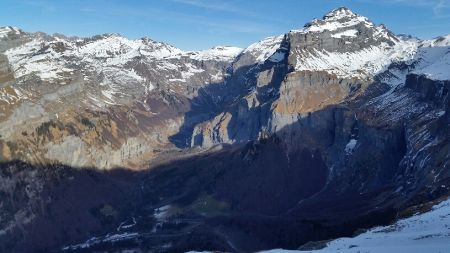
428	232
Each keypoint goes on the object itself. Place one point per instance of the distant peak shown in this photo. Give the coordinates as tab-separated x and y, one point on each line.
339	13
112	35
5	30
10	28
340	18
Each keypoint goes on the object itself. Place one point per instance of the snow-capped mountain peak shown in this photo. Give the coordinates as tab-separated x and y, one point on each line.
348	45
111	64
340	13
7	30
110	45
337	19
342	42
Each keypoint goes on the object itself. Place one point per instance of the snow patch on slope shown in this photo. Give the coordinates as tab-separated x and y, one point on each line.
441	41
113	238
347	33
265	48
216	53
433	59
277	57
33	58
350	146
190	71
359	64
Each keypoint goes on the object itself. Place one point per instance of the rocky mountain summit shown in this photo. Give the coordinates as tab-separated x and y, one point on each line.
329	61
307	136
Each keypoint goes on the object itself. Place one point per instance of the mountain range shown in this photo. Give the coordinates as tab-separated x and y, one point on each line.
116	145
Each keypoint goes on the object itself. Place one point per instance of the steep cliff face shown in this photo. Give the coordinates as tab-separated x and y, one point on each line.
329	173
368	116
328	62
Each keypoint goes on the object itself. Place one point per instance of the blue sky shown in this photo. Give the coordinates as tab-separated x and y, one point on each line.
200	24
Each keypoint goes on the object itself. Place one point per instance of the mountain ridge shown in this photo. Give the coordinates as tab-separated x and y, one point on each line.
110	71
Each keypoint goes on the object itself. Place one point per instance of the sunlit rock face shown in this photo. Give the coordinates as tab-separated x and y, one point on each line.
103	101
330	61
